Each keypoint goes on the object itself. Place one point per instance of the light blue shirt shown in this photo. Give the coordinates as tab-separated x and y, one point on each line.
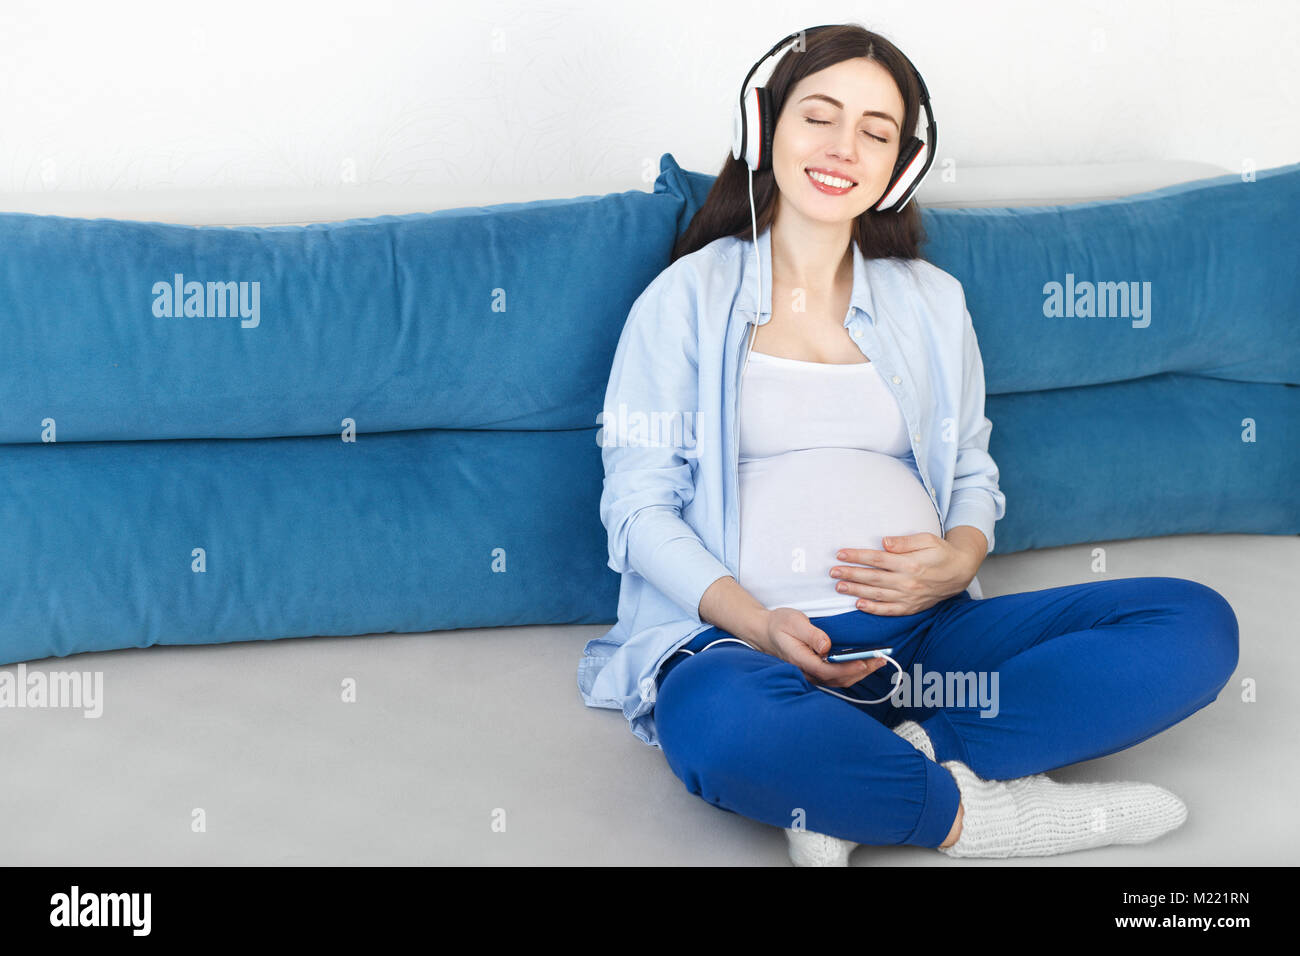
669	439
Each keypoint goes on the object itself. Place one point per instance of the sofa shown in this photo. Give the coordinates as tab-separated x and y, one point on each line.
385	425
197	418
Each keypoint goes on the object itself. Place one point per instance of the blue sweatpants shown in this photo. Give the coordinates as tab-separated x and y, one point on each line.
1069	673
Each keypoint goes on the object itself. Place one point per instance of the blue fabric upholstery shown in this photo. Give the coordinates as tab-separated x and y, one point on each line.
1156	456
500	317
402	531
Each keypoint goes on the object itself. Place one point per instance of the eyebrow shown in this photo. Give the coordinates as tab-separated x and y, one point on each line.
838	105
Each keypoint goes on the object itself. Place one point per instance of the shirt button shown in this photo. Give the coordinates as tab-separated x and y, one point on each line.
917	436
897	379
857	333
648	689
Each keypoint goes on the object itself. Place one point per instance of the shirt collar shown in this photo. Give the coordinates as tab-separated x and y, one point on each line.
859	300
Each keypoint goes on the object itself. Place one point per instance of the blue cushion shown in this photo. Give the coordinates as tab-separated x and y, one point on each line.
1217	256
405	531
1167	454
396	322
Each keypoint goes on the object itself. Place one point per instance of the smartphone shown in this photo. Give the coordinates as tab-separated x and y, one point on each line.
856	653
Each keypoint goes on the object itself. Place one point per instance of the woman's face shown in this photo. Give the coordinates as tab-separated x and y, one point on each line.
813	132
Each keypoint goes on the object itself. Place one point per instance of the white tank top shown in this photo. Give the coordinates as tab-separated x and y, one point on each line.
825	464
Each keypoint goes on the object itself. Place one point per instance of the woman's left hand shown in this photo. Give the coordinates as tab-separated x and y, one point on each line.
915	572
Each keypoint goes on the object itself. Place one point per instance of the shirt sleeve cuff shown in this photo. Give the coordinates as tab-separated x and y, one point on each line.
667	552
975	507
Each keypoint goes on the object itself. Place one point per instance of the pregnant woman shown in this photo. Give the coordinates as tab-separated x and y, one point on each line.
800	465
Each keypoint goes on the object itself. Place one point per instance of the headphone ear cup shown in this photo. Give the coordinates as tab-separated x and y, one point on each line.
906	175
766	128
746	139
737	131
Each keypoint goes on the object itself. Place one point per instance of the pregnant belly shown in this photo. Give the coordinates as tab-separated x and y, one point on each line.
798	509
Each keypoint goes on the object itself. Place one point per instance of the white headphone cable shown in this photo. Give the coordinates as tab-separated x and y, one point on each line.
853	700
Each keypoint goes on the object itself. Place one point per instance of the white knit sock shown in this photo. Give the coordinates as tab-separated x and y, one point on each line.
808	848
1037	816
915	735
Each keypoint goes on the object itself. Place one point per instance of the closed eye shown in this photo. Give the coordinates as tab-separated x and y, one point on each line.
878	139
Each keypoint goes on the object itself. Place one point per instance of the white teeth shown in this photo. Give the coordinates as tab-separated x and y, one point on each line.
829	180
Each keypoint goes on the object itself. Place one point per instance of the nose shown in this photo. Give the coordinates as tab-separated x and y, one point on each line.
844	150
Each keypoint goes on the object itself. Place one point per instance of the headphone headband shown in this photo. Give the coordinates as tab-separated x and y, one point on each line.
752	139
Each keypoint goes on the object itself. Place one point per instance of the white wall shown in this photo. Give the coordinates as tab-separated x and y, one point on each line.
151	95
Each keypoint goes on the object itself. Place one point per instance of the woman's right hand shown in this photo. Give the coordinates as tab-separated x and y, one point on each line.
793	638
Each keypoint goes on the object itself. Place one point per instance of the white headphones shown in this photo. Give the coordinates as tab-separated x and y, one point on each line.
754	123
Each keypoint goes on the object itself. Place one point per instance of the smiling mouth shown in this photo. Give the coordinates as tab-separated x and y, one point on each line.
808	172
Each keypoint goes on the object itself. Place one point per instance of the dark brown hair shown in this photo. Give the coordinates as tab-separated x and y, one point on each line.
879	235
